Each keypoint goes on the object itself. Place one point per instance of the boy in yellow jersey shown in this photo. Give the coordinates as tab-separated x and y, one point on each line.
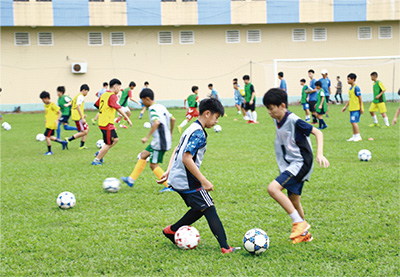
356	106
107	104
52	117
77	115
162	124
378	103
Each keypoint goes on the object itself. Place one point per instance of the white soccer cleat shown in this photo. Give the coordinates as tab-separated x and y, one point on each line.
351	139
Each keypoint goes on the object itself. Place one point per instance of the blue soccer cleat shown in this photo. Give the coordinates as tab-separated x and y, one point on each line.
64	145
48	153
126	180
165	189
97	163
97	153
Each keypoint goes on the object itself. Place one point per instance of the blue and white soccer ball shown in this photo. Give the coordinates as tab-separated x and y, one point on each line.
100	143
147	125
364	155
40	137
256	241
66	200
111	185
217	128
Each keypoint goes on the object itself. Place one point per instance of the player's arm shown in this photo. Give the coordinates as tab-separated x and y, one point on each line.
68	104
133	100
164	177
187	160
253	94
154	127
184	104
322	101
124	115
345	107
58	118
320	147
383	89
396	116
361	104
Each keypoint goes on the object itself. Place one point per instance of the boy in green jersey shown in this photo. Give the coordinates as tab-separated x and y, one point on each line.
304	98
192	100
64	102
321	107
249	100
123	102
379	101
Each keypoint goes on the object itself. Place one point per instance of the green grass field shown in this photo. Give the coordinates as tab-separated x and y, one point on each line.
353	206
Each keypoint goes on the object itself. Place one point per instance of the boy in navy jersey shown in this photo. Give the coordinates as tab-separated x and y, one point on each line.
184	175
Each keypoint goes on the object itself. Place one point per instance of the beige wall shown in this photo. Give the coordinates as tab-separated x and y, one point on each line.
107	13
179	13
248	12
33	13
173	69
316	10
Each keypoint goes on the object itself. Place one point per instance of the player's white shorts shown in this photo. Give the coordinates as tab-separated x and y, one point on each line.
125	109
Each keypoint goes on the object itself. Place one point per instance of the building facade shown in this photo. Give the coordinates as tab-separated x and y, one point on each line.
176	44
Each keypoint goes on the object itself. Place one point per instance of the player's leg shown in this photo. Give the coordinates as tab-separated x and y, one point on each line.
341	98
382	110
62	142
372	109
155	159
238	108
143	110
95	119
254	113
139	167
59	128
216	226
69	128
48	133
295	199
110	138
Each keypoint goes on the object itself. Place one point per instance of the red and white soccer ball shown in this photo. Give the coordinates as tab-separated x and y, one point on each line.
187	237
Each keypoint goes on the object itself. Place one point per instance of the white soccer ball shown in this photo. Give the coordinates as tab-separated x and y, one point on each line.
217	128
100	143
256	241
140	155
364	155
147	125
6	126
187	237
111	185
40	137
66	200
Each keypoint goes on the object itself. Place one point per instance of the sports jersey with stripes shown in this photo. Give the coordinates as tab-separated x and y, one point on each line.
162	136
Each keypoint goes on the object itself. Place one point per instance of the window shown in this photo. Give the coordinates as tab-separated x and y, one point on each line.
22	39
45	39
298	34
117	38
253	35
165	38
95	39
233	36
364	33
385	32
319	34
186	37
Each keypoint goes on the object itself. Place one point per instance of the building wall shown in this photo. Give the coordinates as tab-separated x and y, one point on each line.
173	69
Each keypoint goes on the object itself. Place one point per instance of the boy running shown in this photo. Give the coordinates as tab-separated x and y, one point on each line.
77	115
98	94
356	106
184	175
123	101
304	96
249	100
64	102
295	160
192	100
162	124
52	116
321	106
379	101
107	104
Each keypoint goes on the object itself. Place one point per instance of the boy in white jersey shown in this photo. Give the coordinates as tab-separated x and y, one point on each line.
162	124
184	175
295	160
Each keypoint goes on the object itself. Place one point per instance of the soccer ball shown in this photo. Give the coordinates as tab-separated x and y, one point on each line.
364	155
40	137
100	143
256	241
140	155
66	200
147	125
6	126
111	185
217	128
187	237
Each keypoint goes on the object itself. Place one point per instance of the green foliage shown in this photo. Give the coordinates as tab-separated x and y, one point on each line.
352	206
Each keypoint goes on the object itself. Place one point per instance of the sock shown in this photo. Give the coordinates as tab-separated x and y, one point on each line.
188	219
183	124
159	172
82	143
296	217
59	130
96	160
320	123
307	117
375	118
48	148
70	128
357	135
59	140
141	115
140	165
314	118
249	115
71	138
386	120
254	114
216	226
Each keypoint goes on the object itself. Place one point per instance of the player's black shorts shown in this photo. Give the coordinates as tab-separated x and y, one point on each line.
48	133
289	182
247	106
242	105
321	112
327	98
64	118
198	200
312	105
109	136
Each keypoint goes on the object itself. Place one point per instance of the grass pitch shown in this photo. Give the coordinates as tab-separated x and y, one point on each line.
352	206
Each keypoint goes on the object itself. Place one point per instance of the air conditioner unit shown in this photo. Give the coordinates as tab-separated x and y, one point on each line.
79	67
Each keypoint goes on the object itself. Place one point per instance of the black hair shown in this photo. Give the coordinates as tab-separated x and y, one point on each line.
303	80
352	76
374	74
105	84
210	85
235	79
318	83
61	89
246	77
132	84
114	81
84	87
146	83
194	88
211	104
311	70
275	96
44	94
147	93
235	83
280	74
338	77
